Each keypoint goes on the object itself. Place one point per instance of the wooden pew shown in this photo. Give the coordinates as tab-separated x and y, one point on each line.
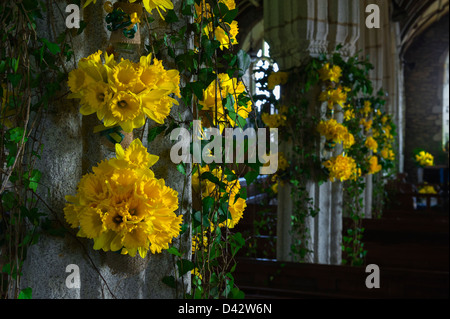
274	279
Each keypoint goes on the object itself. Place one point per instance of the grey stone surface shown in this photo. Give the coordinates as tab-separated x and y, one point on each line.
70	150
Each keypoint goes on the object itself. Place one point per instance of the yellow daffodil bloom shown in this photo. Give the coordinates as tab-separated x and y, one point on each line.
159	5
334	97
371	144
425	159
342	168
122	206
374	167
212	100
332	74
335	132
236	206
388	154
124	93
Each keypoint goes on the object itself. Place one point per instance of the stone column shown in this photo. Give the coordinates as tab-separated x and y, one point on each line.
295	31
382	46
70	150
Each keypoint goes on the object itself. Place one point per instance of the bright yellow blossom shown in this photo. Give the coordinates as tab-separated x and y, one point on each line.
158	5
236	206
387	153
342	168
212	100
424	159
374	167
334	97
427	189
122	206
124	93
332	74
335	132
367	109
371	144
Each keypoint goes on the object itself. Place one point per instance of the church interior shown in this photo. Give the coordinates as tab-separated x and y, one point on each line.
355	93
409	240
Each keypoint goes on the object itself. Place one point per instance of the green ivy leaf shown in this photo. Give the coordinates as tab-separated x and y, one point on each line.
230	15
208	202
174	251
155	131
184	266
182	168
52	47
169	281
171	17
250	177
244	62
14	79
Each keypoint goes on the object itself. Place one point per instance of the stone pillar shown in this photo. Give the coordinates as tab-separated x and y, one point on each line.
70	150
295	31
382	46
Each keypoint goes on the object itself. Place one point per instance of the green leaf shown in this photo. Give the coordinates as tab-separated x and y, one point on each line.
209	176
236	293
184	266
16	134
174	251
34	179
197	88
244	62
169	281
14	79
208	202
25	293
52	47
230	15
155	131
182	168
206	75
171	16
250	177
201	219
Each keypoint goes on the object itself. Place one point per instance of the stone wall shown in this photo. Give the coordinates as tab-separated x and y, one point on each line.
424	80
70	151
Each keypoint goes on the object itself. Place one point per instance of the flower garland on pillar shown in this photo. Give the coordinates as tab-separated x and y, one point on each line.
122	205
354	122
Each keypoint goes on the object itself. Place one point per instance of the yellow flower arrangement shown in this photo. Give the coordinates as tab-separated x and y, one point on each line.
122	206
367	109
374	167
219	89
225	33
277	78
124	93
236	206
334	97
336	132
349	114
159	5
387	153
371	144
367	124
275	120
427	189
342	168
332	74
424	159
